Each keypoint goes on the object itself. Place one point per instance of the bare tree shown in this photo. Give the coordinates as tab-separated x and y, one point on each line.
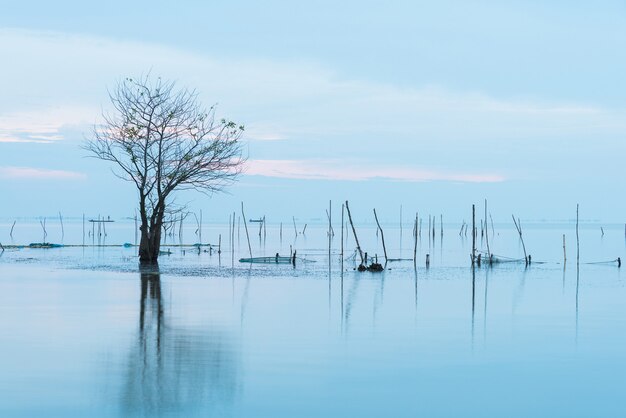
163	140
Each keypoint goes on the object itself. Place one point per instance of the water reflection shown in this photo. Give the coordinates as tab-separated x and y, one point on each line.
175	369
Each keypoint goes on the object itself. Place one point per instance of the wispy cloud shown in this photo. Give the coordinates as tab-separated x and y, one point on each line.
42	125
340	170
32	173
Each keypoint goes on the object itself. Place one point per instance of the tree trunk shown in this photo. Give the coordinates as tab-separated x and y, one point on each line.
150	243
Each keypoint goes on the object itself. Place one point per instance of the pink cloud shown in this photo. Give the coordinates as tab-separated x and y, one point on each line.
30	173
340	170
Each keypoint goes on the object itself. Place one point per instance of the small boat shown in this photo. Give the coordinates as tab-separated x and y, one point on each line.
267	260
256	220
44	245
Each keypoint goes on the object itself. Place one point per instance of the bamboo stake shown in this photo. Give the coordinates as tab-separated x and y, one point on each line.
13	226
342	222
330	227
577	239
518	226
415	240
473	234
332	231
245	224
62	229
487	235
358	247
382	236
294	226
564	254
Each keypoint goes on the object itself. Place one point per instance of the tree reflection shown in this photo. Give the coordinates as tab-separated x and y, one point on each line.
176	369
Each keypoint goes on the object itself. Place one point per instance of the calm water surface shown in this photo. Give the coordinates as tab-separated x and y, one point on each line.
83	332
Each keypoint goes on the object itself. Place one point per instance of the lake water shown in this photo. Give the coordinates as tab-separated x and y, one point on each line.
83	332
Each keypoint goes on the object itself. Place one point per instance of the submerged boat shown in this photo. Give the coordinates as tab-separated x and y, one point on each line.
268	260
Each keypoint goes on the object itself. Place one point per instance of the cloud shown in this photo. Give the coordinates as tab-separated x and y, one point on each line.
276	99
31	173
42	125
295	109
366	170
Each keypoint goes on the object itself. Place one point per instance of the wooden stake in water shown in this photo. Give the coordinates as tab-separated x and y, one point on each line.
473	234
487	235
518	226
415	240
356	239
294	226
382	236
62	229
342	222
441	224
330	228
245	224
577	238
564	254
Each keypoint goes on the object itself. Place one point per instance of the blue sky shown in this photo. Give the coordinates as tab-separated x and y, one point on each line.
432	105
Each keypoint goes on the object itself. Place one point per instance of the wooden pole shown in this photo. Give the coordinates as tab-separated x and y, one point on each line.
62	229
356	239
382	236
13	226
330	227
245	224
518	226
294	225
342	222
473	234
564	254
441	223
487	235
415	240
577	238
